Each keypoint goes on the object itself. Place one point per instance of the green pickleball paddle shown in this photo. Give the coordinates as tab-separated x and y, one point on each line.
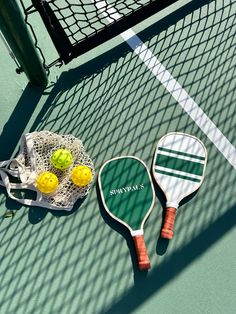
128	196
178	167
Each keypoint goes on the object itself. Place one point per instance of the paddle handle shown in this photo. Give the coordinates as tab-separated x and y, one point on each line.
167	230
141	251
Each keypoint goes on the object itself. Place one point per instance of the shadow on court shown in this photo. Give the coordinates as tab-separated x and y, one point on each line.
117	108
177	262
18	121
32	95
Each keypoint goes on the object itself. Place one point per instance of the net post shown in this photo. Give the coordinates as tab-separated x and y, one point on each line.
19	40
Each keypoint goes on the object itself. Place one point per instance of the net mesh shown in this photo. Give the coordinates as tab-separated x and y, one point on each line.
77	26
36	150
81	19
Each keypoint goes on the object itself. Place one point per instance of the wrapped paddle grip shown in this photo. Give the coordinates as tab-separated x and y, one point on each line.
141	251
167	230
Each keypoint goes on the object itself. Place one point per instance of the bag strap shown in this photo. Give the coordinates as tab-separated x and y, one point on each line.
27	175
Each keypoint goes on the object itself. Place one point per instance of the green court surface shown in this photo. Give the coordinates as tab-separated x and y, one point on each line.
84	262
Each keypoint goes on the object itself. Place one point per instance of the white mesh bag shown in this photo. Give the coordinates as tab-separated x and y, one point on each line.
34	158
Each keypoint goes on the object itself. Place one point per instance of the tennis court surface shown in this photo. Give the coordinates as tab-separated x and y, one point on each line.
173	71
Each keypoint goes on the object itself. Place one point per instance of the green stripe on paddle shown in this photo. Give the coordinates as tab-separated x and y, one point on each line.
182	165
177	175
180	153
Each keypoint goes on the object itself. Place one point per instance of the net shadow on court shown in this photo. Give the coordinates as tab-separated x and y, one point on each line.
116	107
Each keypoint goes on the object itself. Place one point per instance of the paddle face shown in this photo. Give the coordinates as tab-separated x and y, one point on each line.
128	196
179	165
178	168
127	191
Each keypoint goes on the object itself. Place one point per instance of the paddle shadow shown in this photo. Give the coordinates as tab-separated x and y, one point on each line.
175	265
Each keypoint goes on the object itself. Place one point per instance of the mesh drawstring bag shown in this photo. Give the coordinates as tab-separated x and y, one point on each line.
36	149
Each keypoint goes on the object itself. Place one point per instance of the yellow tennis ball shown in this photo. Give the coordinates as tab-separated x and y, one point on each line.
61	159
81	175
47	182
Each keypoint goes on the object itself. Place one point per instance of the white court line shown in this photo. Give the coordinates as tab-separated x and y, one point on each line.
173	87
